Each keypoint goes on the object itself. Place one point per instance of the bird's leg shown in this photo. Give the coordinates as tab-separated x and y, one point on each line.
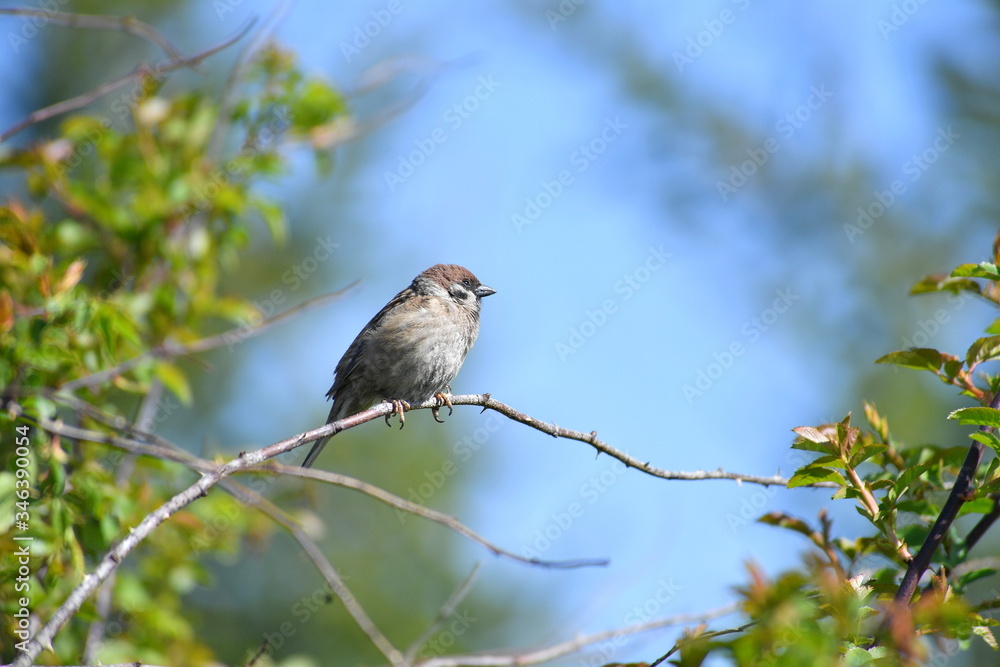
399	406
443	399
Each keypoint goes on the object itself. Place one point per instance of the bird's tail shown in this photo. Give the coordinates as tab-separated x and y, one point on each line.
320	444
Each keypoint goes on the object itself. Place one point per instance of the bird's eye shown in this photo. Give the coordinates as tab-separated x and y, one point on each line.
467	282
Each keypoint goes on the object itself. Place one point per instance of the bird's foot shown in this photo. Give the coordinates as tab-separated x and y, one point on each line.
398	408
443	400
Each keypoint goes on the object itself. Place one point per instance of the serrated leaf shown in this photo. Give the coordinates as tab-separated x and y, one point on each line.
783	520
865	453
809	446
908	475
811	433
979	573
986	270
939	282
173	378
989	439
984	349
920	358
810	475
986	635
976	416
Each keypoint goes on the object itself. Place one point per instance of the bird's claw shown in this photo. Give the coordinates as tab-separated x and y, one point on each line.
443	400
398	408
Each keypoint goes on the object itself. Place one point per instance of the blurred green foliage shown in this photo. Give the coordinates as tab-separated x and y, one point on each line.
114	254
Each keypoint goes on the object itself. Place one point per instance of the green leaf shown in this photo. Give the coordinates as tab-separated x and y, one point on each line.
941	283
783	520
909	475
810	475
984	349
173	378
989	439
987	636
865	453
976	416
920	358
986	270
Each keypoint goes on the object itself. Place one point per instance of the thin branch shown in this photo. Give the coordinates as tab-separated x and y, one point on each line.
425	512
144	421
171	349
163	449
872	506
591	439
961	491
707	635
215	145
245	461
329	572
536	656
447	610
983	524
129	24
100	91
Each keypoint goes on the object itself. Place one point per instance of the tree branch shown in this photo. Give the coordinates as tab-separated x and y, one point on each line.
960	492
447	609
425	512
326	568
246	461
171	349
129	24
100	91
556	431
536	656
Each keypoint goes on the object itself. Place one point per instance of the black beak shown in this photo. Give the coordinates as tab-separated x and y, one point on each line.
484	290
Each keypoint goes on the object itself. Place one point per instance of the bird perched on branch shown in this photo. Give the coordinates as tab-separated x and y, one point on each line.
412	349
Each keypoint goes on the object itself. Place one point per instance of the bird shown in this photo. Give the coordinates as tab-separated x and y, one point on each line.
411	350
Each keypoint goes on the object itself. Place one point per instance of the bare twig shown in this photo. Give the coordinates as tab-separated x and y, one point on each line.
129	24
591	439
707	635
329	572
163	449
100	91
170	349
246	461
425	512
447	610
215	145
536	656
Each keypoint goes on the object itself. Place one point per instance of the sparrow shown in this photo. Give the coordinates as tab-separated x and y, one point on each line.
412	349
